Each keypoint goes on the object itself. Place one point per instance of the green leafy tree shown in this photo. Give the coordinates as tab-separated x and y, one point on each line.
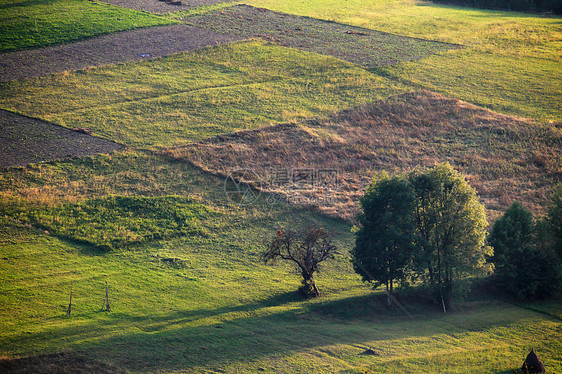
305	248
431	219
384	243
451	229
525	264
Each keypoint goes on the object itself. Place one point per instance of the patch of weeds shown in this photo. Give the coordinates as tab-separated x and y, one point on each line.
503	157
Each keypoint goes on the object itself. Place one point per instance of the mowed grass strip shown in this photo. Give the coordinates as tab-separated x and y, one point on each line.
25	140
30	24
510	61
496	32
188	97
360	46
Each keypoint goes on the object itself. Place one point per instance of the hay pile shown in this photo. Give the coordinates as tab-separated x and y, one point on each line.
533	364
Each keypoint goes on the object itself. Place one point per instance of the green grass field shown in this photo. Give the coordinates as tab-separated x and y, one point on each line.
30	24
507	59
187	97
187	288
216	307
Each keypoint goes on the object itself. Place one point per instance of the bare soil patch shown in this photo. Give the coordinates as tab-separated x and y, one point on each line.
364	47
123	46
505	158
25	140
55	364
157	6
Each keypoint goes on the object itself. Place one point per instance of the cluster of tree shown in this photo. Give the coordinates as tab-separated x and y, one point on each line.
430	226
423	225
527	252
554	6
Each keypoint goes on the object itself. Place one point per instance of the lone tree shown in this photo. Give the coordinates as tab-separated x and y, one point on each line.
525	266
451	229
384	244
306	248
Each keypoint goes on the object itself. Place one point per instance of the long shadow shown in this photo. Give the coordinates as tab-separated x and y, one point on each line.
24	4
218	337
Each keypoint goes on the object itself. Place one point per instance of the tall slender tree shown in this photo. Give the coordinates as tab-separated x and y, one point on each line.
385	240
451	228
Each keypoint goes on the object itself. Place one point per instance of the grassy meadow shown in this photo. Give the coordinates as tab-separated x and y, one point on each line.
188	97
187	288
506	62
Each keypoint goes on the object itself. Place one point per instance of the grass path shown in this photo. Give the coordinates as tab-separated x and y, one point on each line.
126	46
360	46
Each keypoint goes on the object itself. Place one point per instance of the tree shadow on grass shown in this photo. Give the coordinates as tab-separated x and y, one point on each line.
279	325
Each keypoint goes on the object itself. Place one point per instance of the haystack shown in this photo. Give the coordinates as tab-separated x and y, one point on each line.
533	363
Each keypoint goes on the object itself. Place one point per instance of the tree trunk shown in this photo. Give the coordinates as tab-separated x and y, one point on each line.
430	269
309	286
388	293
448	289
316	292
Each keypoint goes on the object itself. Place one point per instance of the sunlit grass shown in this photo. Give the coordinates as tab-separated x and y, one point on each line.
39	23
510	63
217	303
505	84
187	97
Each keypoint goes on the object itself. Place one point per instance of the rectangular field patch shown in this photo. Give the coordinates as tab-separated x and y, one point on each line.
25	140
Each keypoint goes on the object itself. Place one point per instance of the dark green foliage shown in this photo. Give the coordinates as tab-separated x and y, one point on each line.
117	221
431	219
554	6
554	219
525	265
512	232
451	229
385	242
